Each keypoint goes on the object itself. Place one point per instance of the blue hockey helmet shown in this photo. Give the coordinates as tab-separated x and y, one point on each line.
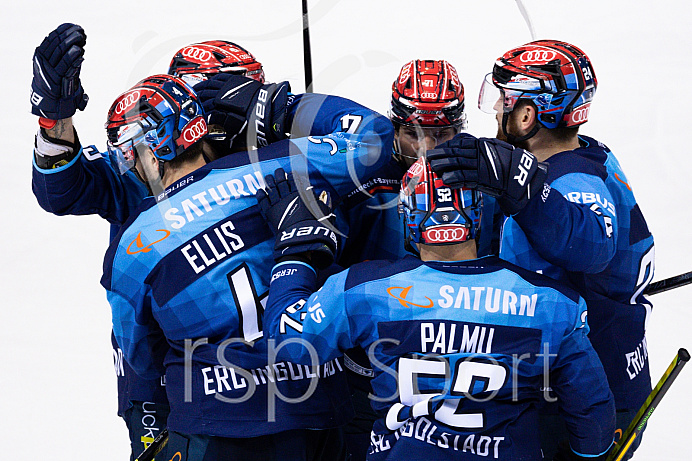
434	213
556	76
161	112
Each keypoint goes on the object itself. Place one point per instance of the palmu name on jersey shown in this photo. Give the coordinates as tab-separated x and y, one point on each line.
459	350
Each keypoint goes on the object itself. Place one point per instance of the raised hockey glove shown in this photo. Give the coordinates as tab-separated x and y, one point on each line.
302	222
251	114
494	167
56	91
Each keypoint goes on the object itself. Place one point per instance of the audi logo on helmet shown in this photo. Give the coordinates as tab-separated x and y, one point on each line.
428	95
580	115
417	168
199	54
126	101
405	72
194	131
538	55
445	234
453	75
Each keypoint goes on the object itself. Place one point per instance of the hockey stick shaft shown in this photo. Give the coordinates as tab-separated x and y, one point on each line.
669	284
307	54
637	425
155	447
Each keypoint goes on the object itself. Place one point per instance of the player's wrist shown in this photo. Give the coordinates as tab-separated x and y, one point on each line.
50	153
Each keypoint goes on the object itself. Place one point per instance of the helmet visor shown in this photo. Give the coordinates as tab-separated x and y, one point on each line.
493	99
123	152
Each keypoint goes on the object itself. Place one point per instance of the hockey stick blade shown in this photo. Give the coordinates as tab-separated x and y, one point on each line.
154	447
669	283
637	425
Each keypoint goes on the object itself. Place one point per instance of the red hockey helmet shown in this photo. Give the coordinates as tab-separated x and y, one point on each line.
194	62
556	76
428	93
433	212
161	112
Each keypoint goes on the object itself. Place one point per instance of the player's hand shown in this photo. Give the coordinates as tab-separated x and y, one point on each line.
492	166
251	114
302	222
56	91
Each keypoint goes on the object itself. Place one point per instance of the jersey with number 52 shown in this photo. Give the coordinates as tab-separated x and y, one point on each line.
460	351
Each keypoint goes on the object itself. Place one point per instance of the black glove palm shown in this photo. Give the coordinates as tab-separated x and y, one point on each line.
303	223
494	167
56	91
252	114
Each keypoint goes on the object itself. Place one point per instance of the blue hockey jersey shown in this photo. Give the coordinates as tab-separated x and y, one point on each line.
188	274
460	352
587	230
89	184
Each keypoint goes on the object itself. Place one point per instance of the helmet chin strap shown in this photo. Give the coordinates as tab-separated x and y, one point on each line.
517	139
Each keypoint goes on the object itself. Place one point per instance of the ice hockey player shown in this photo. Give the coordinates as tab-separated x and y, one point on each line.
191	270
461	345
71	180
427	109
581	224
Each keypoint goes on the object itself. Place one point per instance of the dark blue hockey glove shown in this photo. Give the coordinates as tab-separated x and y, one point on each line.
251	114
56	92
302	222
492	166
565	453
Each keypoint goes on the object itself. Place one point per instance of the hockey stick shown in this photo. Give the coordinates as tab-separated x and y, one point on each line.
527	19
637	425
669	283
307	55
154	447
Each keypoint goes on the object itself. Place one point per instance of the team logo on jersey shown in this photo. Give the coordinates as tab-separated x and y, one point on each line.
140	247
405	302
626	185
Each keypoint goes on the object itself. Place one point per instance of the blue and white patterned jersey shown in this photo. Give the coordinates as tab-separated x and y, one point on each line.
459	349
592	234
89	184
188	275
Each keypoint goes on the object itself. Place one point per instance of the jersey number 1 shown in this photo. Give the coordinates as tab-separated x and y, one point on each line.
250	306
